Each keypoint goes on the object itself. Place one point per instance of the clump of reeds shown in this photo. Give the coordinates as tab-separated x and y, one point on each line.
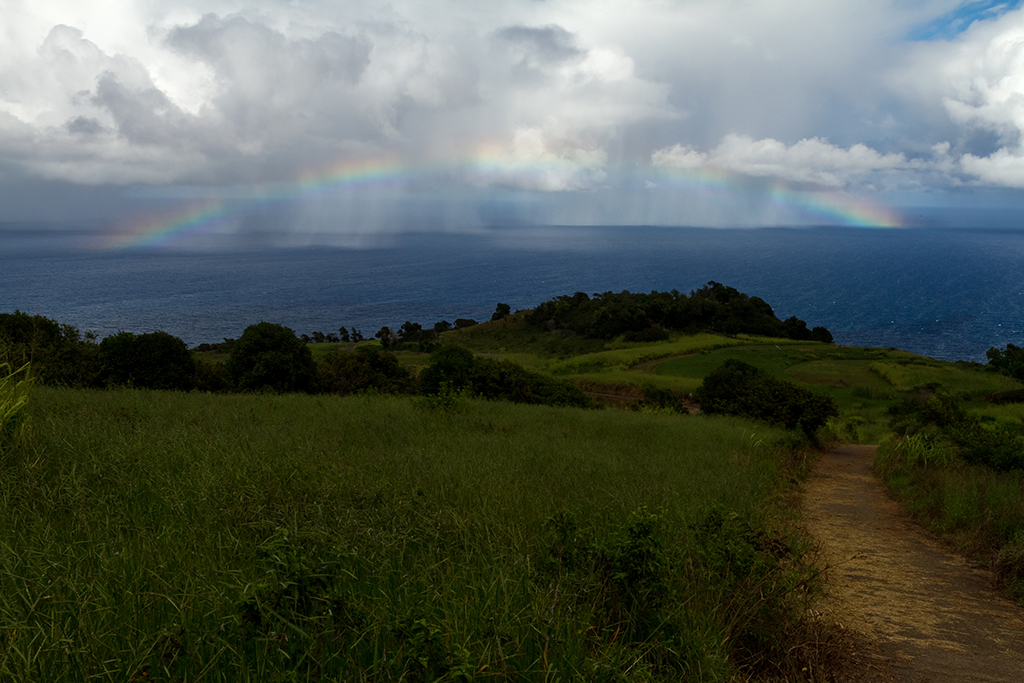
14	388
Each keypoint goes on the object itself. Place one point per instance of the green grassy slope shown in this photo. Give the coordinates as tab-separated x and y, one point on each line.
167	536
864	382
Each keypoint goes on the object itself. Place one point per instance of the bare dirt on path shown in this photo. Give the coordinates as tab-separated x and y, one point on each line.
921	612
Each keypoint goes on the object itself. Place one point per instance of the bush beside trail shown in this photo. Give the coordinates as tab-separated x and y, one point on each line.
738	388
935	415
962	474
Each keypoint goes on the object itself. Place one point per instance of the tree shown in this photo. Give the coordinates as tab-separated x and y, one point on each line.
410	332
501	311
386	335
343	334
821	334
464	322
58	354
270	357
156	360
1009	362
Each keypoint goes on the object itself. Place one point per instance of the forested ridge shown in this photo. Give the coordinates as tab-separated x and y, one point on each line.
649	317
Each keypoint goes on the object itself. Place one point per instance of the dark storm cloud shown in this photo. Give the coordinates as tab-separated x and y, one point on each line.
142	116
535	50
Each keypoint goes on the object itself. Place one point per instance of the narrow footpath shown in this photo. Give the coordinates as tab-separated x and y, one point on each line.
922	613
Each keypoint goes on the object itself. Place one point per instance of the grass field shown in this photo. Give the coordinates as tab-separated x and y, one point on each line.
864	382
154	536
189	537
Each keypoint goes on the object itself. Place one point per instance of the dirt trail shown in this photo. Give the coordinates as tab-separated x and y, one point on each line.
924	613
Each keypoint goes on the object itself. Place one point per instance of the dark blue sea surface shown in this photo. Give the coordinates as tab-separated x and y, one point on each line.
949	294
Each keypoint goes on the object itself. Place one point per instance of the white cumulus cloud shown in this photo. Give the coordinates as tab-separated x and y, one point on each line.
978	78
811	160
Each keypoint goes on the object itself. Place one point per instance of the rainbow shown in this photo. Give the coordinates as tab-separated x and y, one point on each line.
819	207
835	208
208	215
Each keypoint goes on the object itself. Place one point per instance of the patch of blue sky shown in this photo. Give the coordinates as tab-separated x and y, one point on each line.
952	24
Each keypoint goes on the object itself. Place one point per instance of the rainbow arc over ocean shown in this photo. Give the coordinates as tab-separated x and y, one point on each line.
826	207
173	227
212	213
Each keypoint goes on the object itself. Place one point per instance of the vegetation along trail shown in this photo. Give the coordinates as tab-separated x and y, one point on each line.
927	614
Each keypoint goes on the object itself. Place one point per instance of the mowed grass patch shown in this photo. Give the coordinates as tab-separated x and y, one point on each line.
679	364
163	536
625	355
952	376
771	357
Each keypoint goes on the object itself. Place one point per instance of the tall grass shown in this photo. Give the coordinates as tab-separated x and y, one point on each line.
175	537
979	509
14	389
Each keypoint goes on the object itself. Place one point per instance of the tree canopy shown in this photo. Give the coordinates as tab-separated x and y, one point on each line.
156	360
270	357
1008	362
58	353
646	317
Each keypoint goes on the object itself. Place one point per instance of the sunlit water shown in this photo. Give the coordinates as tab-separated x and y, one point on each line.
944	293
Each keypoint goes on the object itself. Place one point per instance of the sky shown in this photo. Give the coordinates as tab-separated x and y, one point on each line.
322	122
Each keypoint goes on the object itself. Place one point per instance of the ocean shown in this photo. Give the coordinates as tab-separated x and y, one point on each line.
950	294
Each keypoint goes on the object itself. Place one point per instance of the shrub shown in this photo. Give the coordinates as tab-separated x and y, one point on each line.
211	376
661	401
1002	397
459	370
156	360
508	381
738	388
650	334
365	369
933	413
270	357
451	364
